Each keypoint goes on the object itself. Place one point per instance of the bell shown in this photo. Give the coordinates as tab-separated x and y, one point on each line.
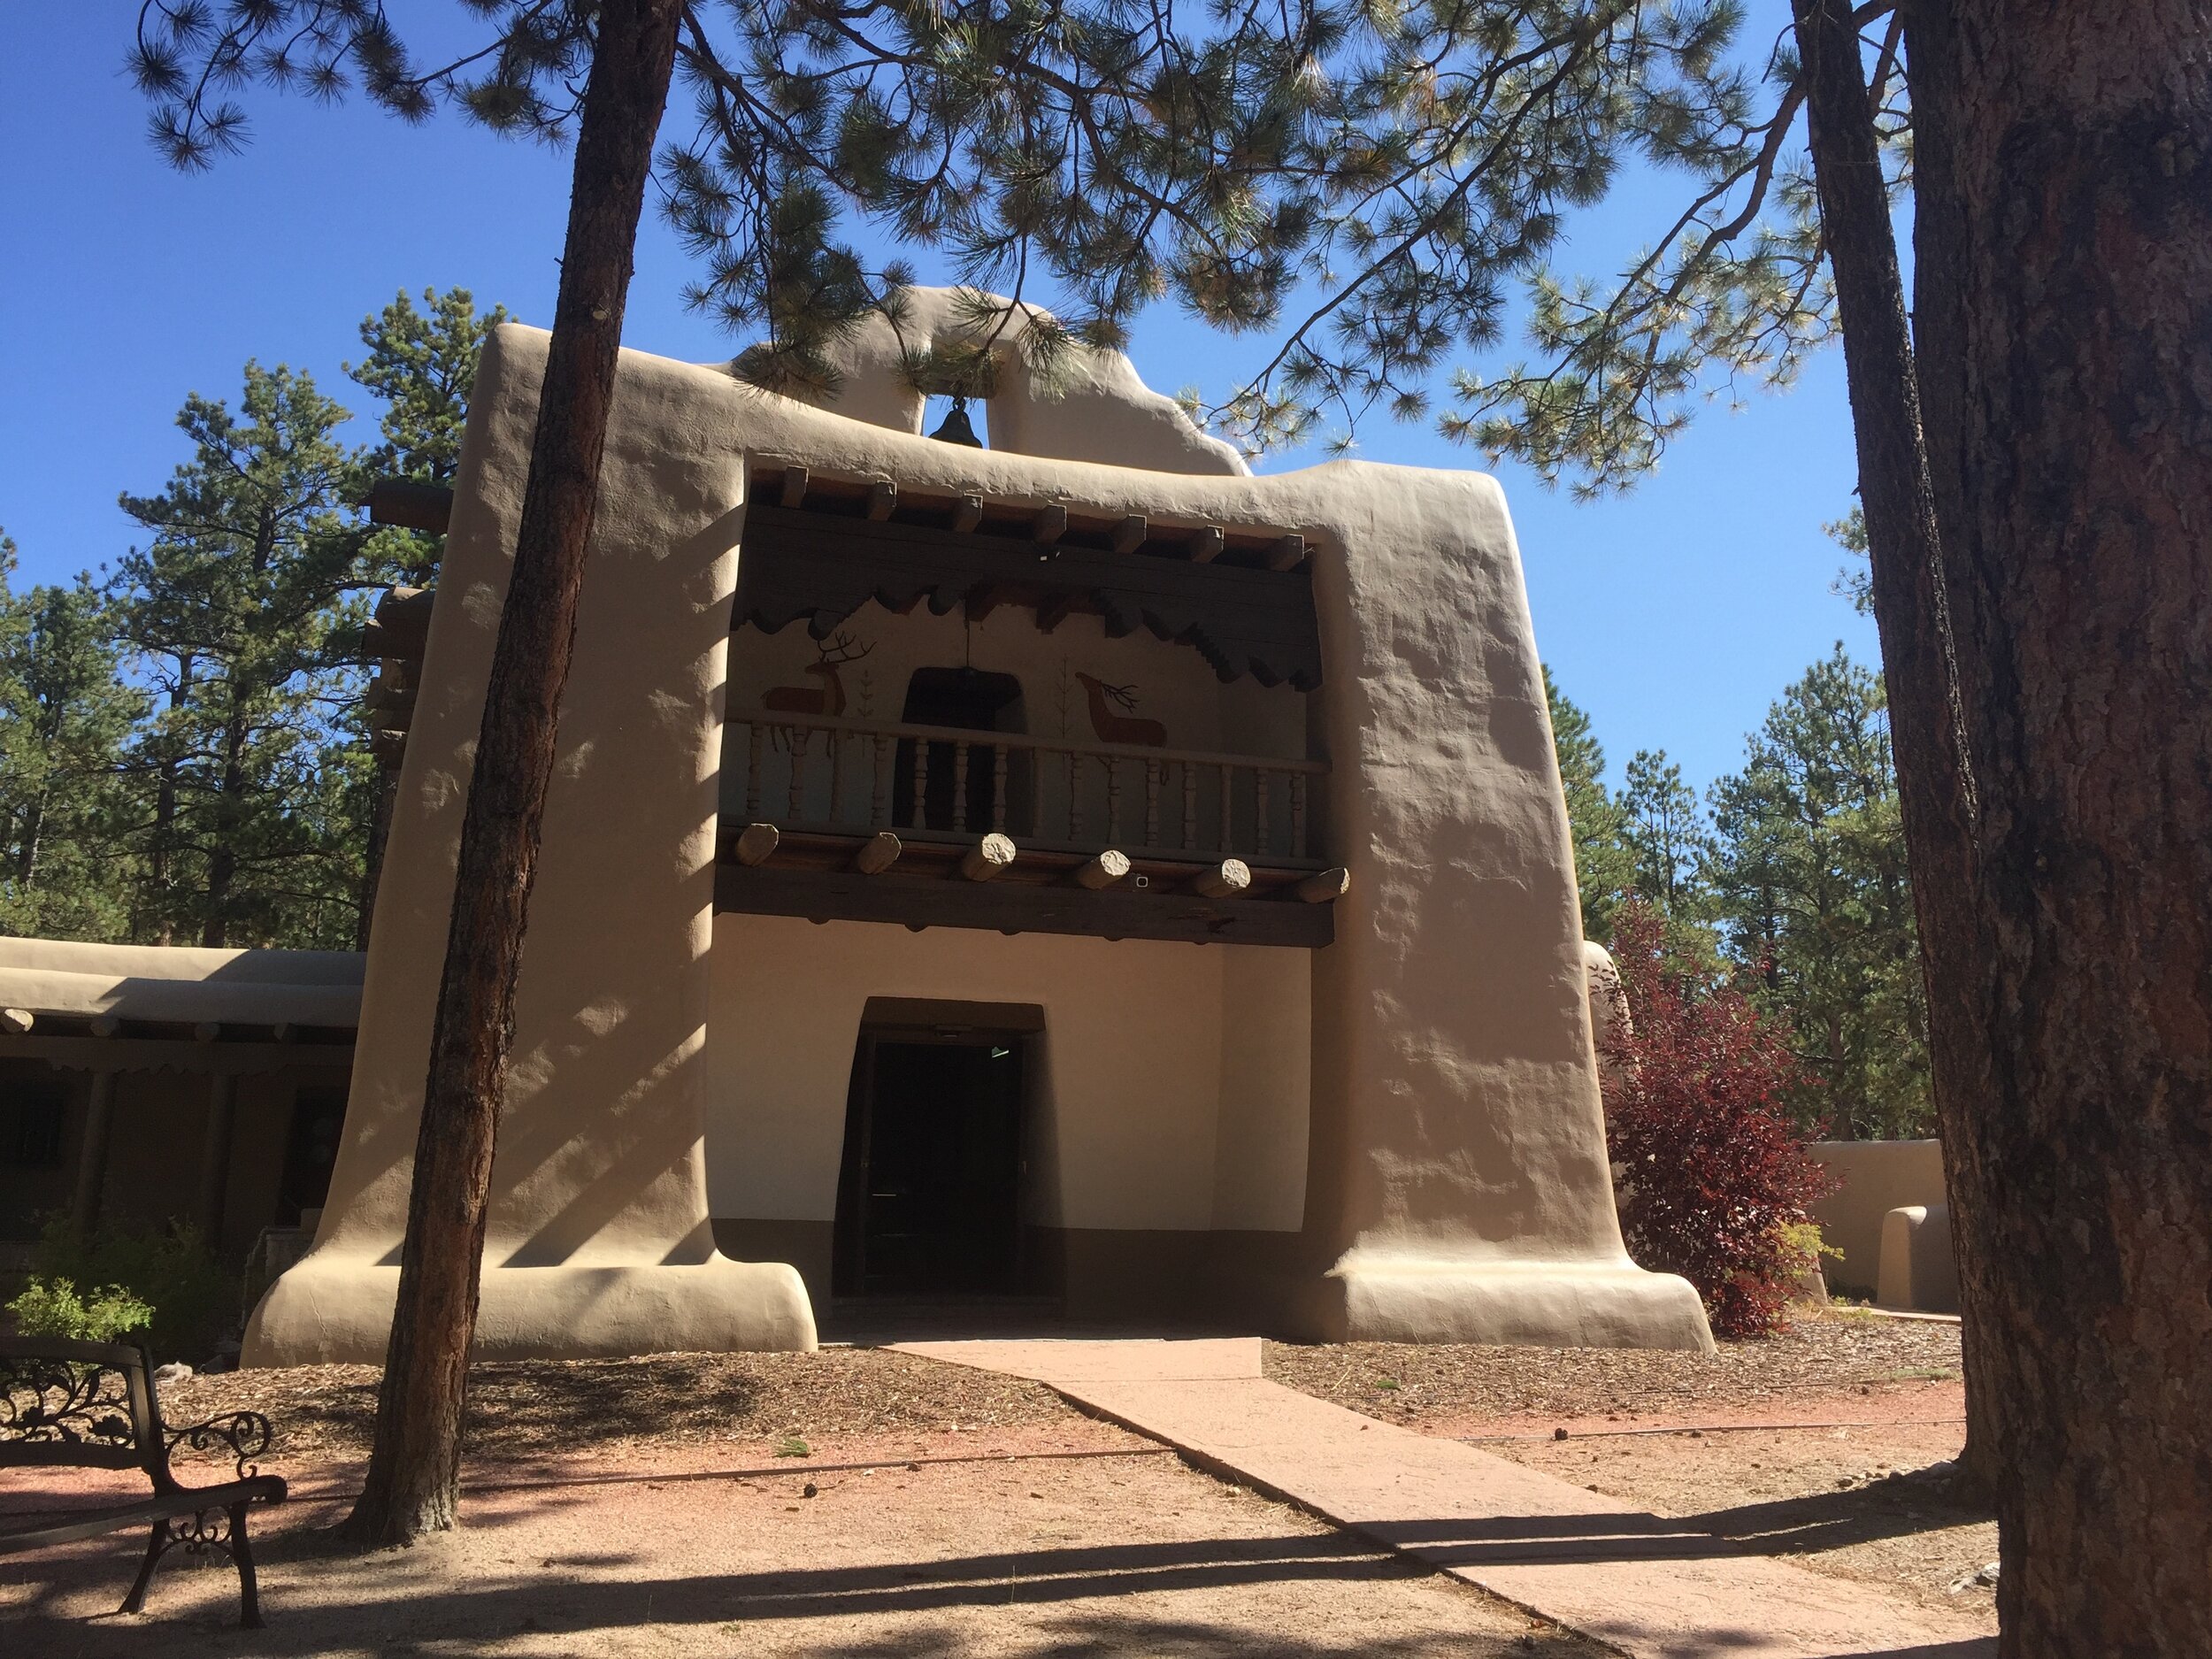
956	429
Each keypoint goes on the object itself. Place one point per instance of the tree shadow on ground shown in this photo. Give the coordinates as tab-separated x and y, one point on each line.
1897	1506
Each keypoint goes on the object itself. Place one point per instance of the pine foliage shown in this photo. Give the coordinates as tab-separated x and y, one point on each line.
1382	187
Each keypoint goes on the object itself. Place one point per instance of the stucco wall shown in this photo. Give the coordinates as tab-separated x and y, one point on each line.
1173	1095
1878	1176
1456	1185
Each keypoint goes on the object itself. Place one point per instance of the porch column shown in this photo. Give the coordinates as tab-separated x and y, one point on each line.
92	1159
222	1116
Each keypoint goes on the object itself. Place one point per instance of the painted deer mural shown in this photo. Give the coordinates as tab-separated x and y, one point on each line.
828	697
1111	727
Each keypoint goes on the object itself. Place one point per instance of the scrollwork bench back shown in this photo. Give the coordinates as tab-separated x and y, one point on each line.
92	1405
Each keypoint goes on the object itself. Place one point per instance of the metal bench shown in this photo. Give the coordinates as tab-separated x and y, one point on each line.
91	1405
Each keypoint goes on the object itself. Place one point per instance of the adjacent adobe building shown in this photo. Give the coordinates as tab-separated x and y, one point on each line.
1073	868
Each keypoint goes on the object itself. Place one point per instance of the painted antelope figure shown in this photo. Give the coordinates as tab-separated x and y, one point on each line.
1122	728
828	697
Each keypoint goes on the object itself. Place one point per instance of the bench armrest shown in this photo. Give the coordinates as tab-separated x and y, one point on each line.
245	1435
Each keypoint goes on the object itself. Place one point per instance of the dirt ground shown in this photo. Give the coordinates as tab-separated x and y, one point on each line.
1828	1444
1065	1541
658	1505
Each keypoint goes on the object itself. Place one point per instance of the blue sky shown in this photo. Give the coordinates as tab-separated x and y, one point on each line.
1674	614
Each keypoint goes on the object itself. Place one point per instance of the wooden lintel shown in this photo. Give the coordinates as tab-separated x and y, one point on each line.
1224	881
968	514
1324	887
171	1054
1108	867
1129	535
105	1026
877	853
1206	544
1287	554
207	1030
883	499
1049	525
795	478
756	844
987	857
1116	912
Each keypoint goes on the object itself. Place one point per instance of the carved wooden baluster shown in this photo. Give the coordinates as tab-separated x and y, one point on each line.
880	768
1113	799
1190	807
998	788
1225	774
1152	803
802	741
1259	810
959	785
1298	815
754	739
921	785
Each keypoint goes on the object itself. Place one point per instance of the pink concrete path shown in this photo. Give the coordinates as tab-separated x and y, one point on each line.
1646	1585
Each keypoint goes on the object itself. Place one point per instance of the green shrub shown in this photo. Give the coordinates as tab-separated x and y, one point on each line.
54	1306
192	1302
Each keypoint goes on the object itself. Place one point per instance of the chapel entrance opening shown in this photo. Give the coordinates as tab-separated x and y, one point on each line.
929	1196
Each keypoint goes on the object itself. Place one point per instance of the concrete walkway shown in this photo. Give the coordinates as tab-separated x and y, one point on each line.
1641	1583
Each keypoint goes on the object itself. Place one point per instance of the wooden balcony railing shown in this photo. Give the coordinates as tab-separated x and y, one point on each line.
830	773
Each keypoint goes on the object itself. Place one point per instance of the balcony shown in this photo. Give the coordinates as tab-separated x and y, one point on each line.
836	819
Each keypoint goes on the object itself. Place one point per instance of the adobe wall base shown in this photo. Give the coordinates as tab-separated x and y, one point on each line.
1403	1299
338	1310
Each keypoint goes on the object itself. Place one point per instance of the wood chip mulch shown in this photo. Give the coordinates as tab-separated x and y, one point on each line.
1822	1353
555	1405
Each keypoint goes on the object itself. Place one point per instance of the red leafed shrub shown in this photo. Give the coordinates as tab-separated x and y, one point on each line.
1715	1178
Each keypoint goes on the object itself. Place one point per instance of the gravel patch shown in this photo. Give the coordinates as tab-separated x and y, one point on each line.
527	1406
1823	1354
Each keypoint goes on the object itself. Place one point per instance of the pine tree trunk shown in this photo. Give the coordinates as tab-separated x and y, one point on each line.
222	860
413	1480
2063	274
1910	594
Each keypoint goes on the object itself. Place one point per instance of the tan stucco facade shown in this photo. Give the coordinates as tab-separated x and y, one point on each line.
1397	1137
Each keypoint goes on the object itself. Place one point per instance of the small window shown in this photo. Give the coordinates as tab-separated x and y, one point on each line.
31	1117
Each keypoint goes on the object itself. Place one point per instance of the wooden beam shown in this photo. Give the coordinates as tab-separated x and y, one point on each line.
1324	887
410	505
1108	867
1057	610
1225	880
16	1021
883	499
756	844
878	853
1129	535
1049	525
987	857
1206	544
1005	907
795	480
968	514
1287	554
984	598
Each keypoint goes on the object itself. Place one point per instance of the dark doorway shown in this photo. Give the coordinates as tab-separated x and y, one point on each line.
310	1150
929	1196
968	700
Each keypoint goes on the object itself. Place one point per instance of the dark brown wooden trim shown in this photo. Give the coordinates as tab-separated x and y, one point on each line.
826	895
821	568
